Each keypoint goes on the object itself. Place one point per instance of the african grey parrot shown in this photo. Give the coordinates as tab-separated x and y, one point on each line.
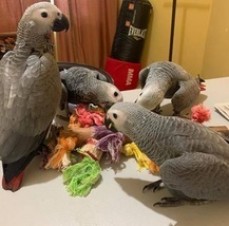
30	89
85	84
165	79
193	160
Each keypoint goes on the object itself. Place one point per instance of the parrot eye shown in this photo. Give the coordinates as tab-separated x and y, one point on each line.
44	14
115	115
140	94
97	77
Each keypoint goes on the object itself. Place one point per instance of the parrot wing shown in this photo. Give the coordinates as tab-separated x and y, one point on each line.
197	175
25	111
186	94
181	135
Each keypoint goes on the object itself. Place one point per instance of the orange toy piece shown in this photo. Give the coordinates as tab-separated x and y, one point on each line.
77	133
59	157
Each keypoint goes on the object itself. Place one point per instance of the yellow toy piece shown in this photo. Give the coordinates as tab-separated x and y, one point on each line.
142	160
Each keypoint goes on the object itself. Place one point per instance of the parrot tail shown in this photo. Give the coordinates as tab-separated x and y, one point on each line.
13	172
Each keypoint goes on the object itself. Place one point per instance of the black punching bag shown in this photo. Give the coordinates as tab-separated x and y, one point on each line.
124	62
131	30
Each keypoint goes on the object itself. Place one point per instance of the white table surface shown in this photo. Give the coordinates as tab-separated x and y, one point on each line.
118	199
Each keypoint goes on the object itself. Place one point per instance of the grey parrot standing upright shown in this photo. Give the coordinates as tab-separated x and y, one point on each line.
86	84
193	160
30	90
165	79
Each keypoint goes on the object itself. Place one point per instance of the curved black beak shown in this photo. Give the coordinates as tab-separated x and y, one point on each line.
61	24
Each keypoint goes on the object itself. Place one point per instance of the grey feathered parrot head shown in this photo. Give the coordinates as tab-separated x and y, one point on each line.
90	85
39	20
125	116
150	95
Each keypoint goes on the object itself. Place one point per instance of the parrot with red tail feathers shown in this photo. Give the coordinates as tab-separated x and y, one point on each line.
165	79
30	90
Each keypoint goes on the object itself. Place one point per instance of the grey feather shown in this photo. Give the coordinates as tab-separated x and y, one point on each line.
193	159
166	79
89	85
30	85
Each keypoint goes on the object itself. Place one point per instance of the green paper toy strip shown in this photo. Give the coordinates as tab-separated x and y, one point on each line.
80	178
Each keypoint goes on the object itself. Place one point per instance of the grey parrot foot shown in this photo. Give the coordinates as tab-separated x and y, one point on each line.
157	110
178	114
155	186
175	202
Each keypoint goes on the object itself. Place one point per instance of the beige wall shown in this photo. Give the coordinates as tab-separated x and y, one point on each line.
216	54
191	28
201	41
157	40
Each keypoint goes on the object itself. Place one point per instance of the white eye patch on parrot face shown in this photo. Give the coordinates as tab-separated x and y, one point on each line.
115	119
48	19
46	14
44	18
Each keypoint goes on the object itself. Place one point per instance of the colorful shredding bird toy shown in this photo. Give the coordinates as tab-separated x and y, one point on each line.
81	145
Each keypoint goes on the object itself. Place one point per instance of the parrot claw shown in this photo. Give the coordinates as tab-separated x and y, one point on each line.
14	184
175	202
155	186
158	110
178	114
